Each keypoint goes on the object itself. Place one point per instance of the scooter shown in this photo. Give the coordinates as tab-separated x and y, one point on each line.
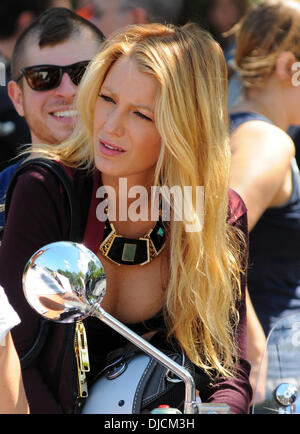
279	374
65	282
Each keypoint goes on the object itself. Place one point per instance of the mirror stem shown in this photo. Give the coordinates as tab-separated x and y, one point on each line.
180	371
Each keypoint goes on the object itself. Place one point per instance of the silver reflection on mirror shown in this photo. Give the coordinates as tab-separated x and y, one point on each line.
62	281
286	394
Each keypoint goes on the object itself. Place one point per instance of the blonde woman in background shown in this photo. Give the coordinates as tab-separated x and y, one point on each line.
264	170
263	165
153	110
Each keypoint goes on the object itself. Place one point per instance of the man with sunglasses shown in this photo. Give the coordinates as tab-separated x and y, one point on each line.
48	61
15	16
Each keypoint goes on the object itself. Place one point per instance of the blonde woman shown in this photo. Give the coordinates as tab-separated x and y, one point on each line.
152	107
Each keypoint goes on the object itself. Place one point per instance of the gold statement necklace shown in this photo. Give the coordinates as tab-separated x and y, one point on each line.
131	251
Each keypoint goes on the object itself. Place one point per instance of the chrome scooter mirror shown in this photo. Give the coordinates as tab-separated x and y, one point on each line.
65	282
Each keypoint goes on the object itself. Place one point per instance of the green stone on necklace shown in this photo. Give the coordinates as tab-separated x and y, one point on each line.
160	232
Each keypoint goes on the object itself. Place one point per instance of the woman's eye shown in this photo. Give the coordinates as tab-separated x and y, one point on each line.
106	98
142	116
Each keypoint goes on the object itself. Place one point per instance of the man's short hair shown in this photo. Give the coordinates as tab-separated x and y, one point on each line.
162	11
54	26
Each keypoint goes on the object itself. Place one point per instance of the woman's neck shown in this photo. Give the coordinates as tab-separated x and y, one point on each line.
267	102
129	206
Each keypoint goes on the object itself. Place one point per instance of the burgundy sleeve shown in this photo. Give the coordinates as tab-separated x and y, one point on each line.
37	216
236	392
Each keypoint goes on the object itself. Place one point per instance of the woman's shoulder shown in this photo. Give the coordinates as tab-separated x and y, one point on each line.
236	207
259	136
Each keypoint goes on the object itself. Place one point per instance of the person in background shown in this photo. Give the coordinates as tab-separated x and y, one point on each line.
62	4
47	104
110	15
12	395
45	95
221	18
15	16
264	170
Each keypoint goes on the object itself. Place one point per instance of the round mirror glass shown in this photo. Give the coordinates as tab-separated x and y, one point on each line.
62	281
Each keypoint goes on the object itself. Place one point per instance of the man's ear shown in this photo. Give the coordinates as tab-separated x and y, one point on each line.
16	95
283	67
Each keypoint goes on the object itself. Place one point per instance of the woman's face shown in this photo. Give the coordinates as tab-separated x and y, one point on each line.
126	140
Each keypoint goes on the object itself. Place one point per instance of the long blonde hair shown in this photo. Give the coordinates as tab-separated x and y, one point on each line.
191	117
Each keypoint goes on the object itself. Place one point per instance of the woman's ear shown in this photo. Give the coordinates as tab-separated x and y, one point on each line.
284	66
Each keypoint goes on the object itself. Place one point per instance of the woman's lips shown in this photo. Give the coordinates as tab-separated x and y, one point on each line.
109	149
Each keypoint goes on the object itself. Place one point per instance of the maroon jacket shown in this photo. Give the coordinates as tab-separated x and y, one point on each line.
39	215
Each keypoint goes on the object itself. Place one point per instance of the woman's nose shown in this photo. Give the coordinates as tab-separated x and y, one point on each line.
114	124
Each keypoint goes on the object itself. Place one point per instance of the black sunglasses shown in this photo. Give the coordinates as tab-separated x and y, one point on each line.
47	77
